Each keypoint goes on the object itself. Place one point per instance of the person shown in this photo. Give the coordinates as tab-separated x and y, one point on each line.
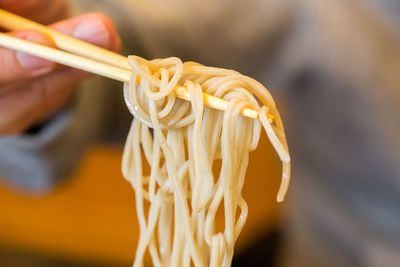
336	66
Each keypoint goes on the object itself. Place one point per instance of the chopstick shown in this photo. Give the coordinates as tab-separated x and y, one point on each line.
65	58
88	57
103	69
65	42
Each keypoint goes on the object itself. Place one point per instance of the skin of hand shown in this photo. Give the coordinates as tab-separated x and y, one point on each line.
31	89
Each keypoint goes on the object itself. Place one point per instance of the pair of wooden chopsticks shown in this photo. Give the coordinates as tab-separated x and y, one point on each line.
87	57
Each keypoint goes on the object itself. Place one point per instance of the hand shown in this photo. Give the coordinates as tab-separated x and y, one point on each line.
31	89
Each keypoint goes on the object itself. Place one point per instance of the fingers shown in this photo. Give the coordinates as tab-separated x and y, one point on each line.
95	28
31	103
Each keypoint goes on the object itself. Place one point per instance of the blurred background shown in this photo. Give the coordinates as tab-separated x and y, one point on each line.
333	68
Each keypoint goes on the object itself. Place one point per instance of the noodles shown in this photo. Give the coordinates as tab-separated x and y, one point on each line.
181	141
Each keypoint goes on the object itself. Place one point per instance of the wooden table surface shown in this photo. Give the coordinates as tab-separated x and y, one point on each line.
91	216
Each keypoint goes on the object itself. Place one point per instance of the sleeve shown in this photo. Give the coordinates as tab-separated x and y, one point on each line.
32	162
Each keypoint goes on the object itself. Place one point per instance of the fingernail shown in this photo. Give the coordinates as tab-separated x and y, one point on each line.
29	62
93	31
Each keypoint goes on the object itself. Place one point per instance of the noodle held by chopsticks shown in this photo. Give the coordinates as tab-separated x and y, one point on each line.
181	141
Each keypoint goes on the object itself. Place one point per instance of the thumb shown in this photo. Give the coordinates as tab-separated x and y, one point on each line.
17	65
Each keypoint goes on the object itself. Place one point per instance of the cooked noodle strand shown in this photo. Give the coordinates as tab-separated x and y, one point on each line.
178	200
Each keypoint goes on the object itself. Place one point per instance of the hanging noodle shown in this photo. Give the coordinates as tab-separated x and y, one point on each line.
181	141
